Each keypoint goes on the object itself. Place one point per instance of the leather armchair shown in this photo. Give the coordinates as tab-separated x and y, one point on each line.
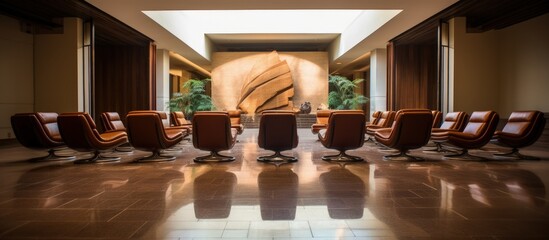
236	122
111	122
321	120
147	132
185	130
212	132
375	118
477	133
521	130
39	131
411	130
437	118
80	133
177	118
385	121
453	121
277	132
345	131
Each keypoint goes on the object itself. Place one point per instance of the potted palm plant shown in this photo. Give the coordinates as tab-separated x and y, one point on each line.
193	99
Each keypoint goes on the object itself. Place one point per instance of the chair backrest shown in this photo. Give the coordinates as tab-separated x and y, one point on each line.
146	130
525	125
79	130
481	127
111	122
177	118
37	130
375	118
234	115
212	131
455	121
437	118
411	129
322	116
277	130
345	130
162	114
386	119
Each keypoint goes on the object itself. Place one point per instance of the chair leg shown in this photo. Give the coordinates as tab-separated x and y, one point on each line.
277	157
125	148
214	157
403	155
438	149
52	157
464	155
157	156
516	155
342	157
97	158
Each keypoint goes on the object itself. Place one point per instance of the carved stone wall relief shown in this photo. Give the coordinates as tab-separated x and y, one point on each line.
269	85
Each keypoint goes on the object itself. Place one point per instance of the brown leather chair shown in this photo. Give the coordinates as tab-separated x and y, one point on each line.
80	133
453	121
212	132
385	121
437	118
111	121
177	118
39	131
186	130
477	133
411	130
375	118
236	122
277	132
345	131
147	132
321	120
521	130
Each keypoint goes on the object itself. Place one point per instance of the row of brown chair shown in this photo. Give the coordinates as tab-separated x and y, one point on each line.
522	129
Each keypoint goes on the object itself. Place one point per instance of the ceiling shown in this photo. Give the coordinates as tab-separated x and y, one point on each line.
131	12
123	22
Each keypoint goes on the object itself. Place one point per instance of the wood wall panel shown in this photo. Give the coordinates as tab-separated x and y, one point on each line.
413	81
122	79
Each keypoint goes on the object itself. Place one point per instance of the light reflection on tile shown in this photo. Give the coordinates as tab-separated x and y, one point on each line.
245	199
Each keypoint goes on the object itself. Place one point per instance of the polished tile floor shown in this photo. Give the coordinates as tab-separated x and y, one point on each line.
245	199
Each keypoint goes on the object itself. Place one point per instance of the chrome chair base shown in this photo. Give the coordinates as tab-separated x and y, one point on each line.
402	156
155	157
514	154
97	158
438	149
214	157
277	157
464	156
342	157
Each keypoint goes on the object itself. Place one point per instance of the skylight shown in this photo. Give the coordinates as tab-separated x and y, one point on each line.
192	26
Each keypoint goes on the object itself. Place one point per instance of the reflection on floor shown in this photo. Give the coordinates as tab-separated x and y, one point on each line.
309	199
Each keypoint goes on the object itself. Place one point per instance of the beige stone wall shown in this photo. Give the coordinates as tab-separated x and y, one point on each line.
309	72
